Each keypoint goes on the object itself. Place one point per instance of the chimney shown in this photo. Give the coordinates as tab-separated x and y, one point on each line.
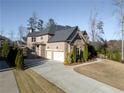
30	30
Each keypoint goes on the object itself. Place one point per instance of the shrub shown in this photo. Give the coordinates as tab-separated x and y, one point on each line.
85	53
114	55
5	49
25	52
66	60
19	60
109	54
92	53
73	55
12	56
0	52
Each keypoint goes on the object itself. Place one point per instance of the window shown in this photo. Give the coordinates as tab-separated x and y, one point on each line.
33	39
48	47
57	47
41	37
37	45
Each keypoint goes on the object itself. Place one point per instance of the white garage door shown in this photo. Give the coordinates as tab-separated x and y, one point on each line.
59	56
49	54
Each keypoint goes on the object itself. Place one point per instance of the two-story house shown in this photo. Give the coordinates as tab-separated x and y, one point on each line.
55	41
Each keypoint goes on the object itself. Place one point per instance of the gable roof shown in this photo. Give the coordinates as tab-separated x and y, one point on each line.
62	35
59	33
84	32
48	30
4	38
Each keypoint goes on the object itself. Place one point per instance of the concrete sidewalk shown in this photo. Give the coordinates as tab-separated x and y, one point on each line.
70	81
8	83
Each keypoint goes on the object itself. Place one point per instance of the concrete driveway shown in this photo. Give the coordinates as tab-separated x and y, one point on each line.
7	79
69	80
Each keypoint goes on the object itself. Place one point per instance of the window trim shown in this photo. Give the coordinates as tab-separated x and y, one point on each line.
41	37
33	39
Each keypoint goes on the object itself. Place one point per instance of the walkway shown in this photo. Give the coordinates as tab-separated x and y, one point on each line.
70	81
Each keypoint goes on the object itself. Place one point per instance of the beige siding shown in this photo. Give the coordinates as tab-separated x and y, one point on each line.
79	44
57	46
29	42
38	39
49	54
43	40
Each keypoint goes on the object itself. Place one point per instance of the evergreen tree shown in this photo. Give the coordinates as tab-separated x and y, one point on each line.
51	23
85	53
5	49
66	58
40	25
32	22
19	60
73	55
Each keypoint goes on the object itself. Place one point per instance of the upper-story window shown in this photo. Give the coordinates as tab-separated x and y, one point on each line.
57	47
33	39
41	37
48	47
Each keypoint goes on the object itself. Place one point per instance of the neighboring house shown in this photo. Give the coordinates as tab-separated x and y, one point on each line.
20	44
55	41
2	39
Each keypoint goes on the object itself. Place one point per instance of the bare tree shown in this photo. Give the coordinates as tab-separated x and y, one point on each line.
120	11
96	27
11	35
93	23
22	32
99	30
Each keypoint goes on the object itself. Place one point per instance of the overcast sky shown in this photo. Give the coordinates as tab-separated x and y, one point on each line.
14	13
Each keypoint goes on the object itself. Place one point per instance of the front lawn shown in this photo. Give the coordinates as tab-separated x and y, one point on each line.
30	82
109	72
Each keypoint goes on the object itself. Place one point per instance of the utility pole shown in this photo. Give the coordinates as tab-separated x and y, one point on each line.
122	23
120	6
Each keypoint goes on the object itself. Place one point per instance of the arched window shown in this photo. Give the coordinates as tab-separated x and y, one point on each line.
41	37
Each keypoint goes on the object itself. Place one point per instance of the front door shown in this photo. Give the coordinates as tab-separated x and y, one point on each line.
78	54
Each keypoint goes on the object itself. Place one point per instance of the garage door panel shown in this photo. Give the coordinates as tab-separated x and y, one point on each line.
49	54
59	56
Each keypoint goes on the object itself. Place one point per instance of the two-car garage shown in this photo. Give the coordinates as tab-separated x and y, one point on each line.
59	56
55	55
55	51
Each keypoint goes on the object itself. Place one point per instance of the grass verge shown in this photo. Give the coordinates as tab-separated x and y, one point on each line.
29	81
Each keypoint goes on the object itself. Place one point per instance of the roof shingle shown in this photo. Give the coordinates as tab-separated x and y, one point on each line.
62	35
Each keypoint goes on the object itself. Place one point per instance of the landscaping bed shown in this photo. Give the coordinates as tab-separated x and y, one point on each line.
109	72
82	62
30	82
